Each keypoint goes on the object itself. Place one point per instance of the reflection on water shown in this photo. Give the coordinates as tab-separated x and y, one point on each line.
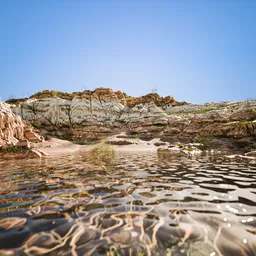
136	204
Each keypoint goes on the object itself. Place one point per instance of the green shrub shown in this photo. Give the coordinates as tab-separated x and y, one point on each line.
103	154
241	123
102	148
190	148
54	94
14	150
160	124
205	140
203	111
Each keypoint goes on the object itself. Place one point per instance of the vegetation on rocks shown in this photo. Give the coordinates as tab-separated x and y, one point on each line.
14	149
204	111
205	141
241	123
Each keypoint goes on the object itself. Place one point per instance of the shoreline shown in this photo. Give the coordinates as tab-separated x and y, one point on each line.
54	148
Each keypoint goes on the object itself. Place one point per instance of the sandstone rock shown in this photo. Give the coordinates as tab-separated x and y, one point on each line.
181	149
252	153
157	144
8	145
23	144
14	131
172	150
33	137
119	142
36	153
240	157
42	152
11	126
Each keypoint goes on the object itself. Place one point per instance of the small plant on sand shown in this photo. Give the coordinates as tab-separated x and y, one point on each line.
190	148
180	145
102	148
137	136
103	154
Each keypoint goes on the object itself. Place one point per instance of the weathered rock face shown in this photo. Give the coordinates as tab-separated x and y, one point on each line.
11	127
98	113
14	131
100	105
90	114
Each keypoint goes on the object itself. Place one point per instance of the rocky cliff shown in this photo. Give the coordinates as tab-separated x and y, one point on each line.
14	131
88	115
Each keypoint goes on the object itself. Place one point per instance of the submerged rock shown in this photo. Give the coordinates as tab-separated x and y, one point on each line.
181	150
157	144
119	142
237	156
247	156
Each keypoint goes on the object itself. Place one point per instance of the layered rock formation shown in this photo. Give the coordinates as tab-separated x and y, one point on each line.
94	114
14	131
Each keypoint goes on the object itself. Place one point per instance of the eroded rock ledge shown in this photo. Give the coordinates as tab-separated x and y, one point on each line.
15	134
92	115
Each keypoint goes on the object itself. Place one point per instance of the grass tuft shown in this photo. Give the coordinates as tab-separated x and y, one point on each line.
14	150
241	123
102	148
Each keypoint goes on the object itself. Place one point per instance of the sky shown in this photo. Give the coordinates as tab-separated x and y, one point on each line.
197	51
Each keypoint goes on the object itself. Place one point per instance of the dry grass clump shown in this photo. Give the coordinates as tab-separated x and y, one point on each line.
103	154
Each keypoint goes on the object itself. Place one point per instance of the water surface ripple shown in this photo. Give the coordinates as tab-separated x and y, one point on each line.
131	204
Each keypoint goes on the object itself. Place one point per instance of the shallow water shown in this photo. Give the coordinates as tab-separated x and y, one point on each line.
137	204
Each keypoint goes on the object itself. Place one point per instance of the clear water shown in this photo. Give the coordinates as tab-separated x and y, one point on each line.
127	204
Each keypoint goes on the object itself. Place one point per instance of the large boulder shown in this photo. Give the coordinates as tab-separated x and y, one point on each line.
13	131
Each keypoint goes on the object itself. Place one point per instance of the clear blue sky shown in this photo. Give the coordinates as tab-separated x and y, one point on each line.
194	50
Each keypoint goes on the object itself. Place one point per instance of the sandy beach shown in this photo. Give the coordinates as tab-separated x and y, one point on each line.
54	146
